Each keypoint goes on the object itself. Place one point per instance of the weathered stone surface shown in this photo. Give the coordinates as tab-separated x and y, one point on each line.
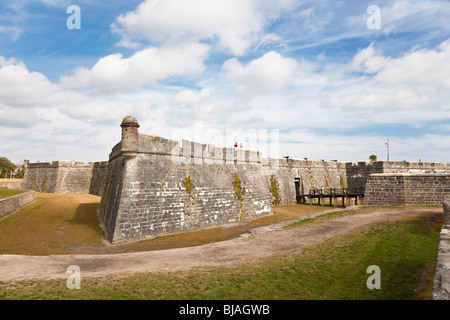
65	177
154	194
10	204
446	205
441	283
406	188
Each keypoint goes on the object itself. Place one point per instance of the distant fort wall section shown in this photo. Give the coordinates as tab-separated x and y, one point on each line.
64	177
407	188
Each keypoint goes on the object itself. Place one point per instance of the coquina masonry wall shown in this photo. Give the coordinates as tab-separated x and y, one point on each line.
158	192
10	204
441	282
310	174
65	177
406	188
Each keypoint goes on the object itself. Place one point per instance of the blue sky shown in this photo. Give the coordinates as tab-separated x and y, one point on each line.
220	70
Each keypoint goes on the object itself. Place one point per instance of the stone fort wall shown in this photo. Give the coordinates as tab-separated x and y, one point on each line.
164	190
406	188
152	186
65	177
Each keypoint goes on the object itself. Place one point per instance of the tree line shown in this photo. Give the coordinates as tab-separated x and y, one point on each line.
7	169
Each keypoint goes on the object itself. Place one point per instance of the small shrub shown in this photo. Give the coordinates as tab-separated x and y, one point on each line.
239	192
189	186
342	182
274	190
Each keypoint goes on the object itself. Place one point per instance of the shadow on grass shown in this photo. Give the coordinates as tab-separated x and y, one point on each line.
86	215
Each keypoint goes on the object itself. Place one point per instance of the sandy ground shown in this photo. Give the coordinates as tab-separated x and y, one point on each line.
261	243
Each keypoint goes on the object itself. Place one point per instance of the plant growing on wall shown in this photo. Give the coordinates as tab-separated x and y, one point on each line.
275	191
342	182
239	192
188	185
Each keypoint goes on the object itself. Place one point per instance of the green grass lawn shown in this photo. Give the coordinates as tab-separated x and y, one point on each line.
337	269
5	193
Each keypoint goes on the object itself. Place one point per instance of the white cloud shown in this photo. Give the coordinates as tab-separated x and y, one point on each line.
426	66
236	24
188	96
17	118
382	99
267	73
94	110
281	92
411	89
20	87
368	60
144	68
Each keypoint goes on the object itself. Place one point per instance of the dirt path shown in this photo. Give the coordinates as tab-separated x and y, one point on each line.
244	248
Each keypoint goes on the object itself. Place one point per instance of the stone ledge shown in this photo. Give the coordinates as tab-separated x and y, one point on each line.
441	282
10	204
436	173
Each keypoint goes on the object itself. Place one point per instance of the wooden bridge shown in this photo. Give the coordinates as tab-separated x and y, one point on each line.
333	195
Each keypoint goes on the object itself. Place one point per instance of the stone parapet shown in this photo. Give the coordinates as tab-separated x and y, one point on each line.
10	204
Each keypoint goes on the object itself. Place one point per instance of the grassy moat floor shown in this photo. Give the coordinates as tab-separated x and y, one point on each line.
5	193
68	224
405	250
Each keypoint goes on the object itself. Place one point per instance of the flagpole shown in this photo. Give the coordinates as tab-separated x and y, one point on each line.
387	144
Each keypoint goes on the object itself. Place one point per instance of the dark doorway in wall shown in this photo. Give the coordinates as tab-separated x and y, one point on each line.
299	190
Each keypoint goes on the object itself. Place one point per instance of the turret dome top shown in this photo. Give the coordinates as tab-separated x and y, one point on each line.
129	119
